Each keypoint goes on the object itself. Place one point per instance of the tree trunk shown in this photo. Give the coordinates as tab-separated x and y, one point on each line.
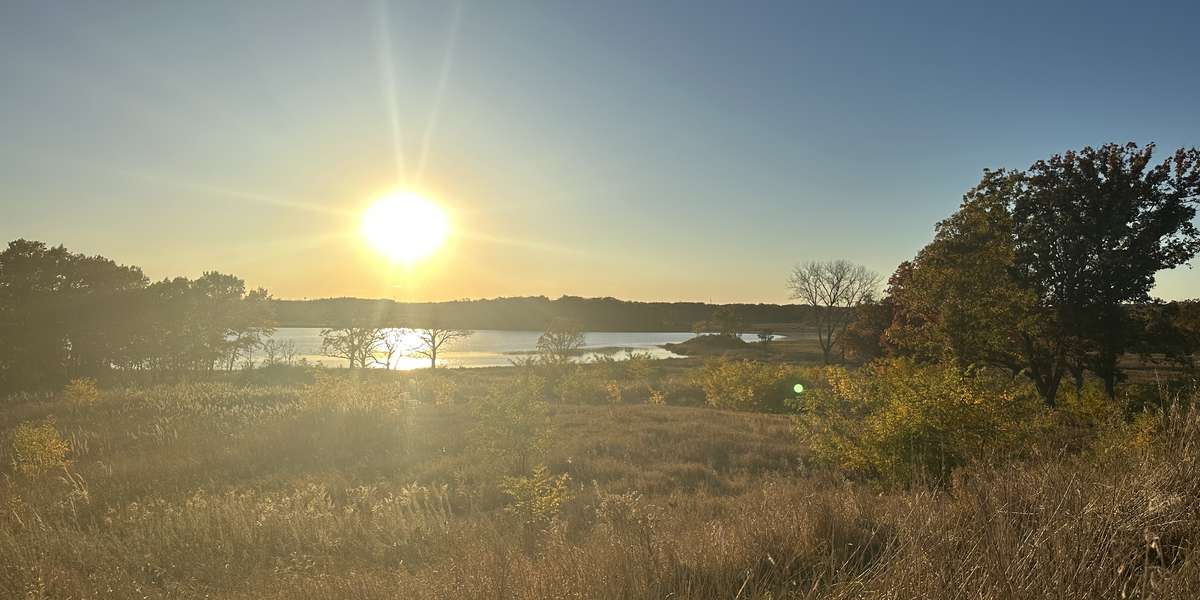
1109	373
1046	374
825	340
1077	374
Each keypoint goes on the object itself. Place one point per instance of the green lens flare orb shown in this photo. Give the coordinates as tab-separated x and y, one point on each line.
798	388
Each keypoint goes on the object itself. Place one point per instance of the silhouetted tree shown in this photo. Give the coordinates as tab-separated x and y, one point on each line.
249	323
1167	332
863	340
560	342
833	289
728	321
357	345
391	346
432	340
766	336
201	324
278	352
62	314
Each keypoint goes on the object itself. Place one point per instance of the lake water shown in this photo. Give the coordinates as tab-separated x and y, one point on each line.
494	348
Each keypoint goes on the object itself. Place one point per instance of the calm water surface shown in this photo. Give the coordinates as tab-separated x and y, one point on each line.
494	348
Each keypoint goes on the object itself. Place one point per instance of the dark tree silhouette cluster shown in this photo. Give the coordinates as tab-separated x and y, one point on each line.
64	314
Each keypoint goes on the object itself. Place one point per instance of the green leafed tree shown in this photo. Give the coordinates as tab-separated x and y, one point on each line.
1092	228
958	300
1037	270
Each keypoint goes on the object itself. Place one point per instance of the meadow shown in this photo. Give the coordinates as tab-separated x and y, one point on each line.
602	481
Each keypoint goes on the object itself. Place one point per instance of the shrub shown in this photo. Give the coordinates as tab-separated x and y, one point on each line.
682	390
434	388
81	391
638	365
615	393
581	386
513	424
658	397
1088	417
902	421
38	447
1089	407
748	385
536	499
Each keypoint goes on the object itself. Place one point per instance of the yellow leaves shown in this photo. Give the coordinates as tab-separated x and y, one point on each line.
898	419
658	397
1089	407
38	447
750	385
537	499
81	391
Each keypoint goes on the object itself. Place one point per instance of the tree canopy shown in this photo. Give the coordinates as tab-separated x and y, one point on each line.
1037	269
65	314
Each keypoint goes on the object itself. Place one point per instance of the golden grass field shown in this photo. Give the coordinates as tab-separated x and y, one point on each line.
392	486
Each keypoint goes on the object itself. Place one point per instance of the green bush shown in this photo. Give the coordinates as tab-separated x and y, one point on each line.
582	386
750	385
512	425
901	421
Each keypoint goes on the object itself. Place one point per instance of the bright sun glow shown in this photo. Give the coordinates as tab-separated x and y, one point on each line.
405	226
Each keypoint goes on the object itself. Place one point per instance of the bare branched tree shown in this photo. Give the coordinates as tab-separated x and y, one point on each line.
560	342
278	352
431	341
391	347
833	288
355	344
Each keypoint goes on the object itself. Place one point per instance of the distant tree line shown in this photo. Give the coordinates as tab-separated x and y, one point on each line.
1047	272
532	313
65	315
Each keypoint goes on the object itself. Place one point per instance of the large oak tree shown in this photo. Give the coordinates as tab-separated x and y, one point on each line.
1037	269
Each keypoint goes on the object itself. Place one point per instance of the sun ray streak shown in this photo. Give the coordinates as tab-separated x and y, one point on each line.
440	92
387	83
259	198
213	190
204	188
542	247
274	250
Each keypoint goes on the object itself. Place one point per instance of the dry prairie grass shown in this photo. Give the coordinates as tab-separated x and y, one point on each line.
263	491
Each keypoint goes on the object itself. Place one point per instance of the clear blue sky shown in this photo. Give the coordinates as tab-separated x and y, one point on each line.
648	150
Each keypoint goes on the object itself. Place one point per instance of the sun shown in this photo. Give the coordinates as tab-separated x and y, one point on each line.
404	226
